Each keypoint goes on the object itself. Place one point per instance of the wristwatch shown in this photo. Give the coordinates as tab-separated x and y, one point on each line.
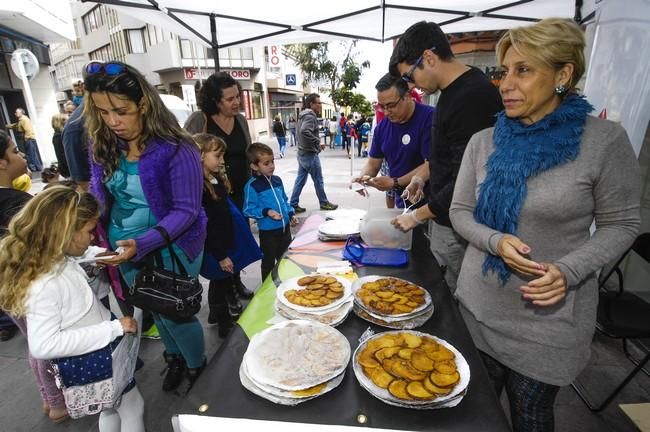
395	183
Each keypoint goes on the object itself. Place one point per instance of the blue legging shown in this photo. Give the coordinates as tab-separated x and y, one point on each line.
531	401
184	338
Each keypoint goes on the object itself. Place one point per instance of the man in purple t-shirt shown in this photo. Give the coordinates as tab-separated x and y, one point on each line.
402	138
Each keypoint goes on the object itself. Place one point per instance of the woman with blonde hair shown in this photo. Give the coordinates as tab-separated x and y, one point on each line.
526	195
147	174
58	122
40	281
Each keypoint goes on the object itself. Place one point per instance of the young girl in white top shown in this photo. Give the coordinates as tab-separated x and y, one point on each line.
40	280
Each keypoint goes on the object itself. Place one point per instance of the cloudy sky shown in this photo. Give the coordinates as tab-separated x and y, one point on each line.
378	54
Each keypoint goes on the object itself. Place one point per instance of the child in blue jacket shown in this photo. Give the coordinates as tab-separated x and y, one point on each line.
266	201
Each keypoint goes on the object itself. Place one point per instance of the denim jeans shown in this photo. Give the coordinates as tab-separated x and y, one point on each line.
33	156
308	163
282	142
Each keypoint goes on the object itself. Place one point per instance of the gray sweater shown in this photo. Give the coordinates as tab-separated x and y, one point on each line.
552	343
308	138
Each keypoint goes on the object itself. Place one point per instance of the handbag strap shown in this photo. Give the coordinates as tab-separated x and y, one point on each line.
176	261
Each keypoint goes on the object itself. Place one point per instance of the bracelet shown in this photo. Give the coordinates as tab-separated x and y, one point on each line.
395	183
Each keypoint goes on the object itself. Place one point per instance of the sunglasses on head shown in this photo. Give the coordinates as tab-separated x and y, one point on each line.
110	68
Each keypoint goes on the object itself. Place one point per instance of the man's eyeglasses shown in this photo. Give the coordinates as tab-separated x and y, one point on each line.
110	68
391	105
408	76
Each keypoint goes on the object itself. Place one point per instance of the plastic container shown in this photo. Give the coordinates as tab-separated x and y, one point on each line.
377	231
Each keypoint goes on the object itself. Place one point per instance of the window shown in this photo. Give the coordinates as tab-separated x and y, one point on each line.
247	57
135	41
103	54
93	20
253	102
186	49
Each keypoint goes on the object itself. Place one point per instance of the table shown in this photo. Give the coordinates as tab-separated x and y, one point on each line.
221	393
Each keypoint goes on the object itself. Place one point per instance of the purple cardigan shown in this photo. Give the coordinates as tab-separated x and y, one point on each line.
172	181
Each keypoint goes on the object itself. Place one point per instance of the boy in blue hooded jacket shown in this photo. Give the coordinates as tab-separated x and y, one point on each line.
266	201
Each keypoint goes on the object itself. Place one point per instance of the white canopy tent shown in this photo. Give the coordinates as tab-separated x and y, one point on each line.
221	24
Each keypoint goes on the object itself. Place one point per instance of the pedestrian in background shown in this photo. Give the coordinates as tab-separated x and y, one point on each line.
280	134
24	126
291	125
309	146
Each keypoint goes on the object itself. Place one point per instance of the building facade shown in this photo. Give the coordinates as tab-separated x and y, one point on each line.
170	63
31	25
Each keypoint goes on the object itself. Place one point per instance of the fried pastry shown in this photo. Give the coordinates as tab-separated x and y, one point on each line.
391	296
316	291
409	366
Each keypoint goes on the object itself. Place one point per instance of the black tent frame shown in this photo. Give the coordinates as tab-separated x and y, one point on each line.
309	27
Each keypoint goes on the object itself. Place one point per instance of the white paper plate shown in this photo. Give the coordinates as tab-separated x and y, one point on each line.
295	355
330	318
402	324
346	213
292	283
357	284
284	394
340	227
383	394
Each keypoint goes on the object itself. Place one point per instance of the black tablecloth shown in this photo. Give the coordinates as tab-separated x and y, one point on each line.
220	389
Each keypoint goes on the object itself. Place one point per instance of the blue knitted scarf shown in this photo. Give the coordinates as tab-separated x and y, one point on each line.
523	151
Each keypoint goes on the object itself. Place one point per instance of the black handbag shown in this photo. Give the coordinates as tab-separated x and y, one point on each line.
175	295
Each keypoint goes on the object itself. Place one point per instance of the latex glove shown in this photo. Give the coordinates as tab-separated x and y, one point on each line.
406	221
414	192
227	265
514	253
548	289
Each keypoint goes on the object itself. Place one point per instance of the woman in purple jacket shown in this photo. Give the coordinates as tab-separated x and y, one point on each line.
146	171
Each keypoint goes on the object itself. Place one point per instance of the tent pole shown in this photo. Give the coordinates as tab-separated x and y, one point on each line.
215	43
578	12
383	21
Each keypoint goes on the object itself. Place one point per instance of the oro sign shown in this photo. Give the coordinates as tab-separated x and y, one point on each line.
275	55
240	74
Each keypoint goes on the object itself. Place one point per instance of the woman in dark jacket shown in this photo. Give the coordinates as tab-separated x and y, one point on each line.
220	99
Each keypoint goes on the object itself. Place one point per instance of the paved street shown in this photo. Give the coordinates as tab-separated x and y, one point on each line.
20	405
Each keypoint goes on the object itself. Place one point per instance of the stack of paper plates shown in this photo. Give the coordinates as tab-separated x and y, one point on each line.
338	229
345	213
294	361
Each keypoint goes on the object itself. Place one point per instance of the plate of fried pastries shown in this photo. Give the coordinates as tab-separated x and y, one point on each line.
294	361
411	369
391	301
314	294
